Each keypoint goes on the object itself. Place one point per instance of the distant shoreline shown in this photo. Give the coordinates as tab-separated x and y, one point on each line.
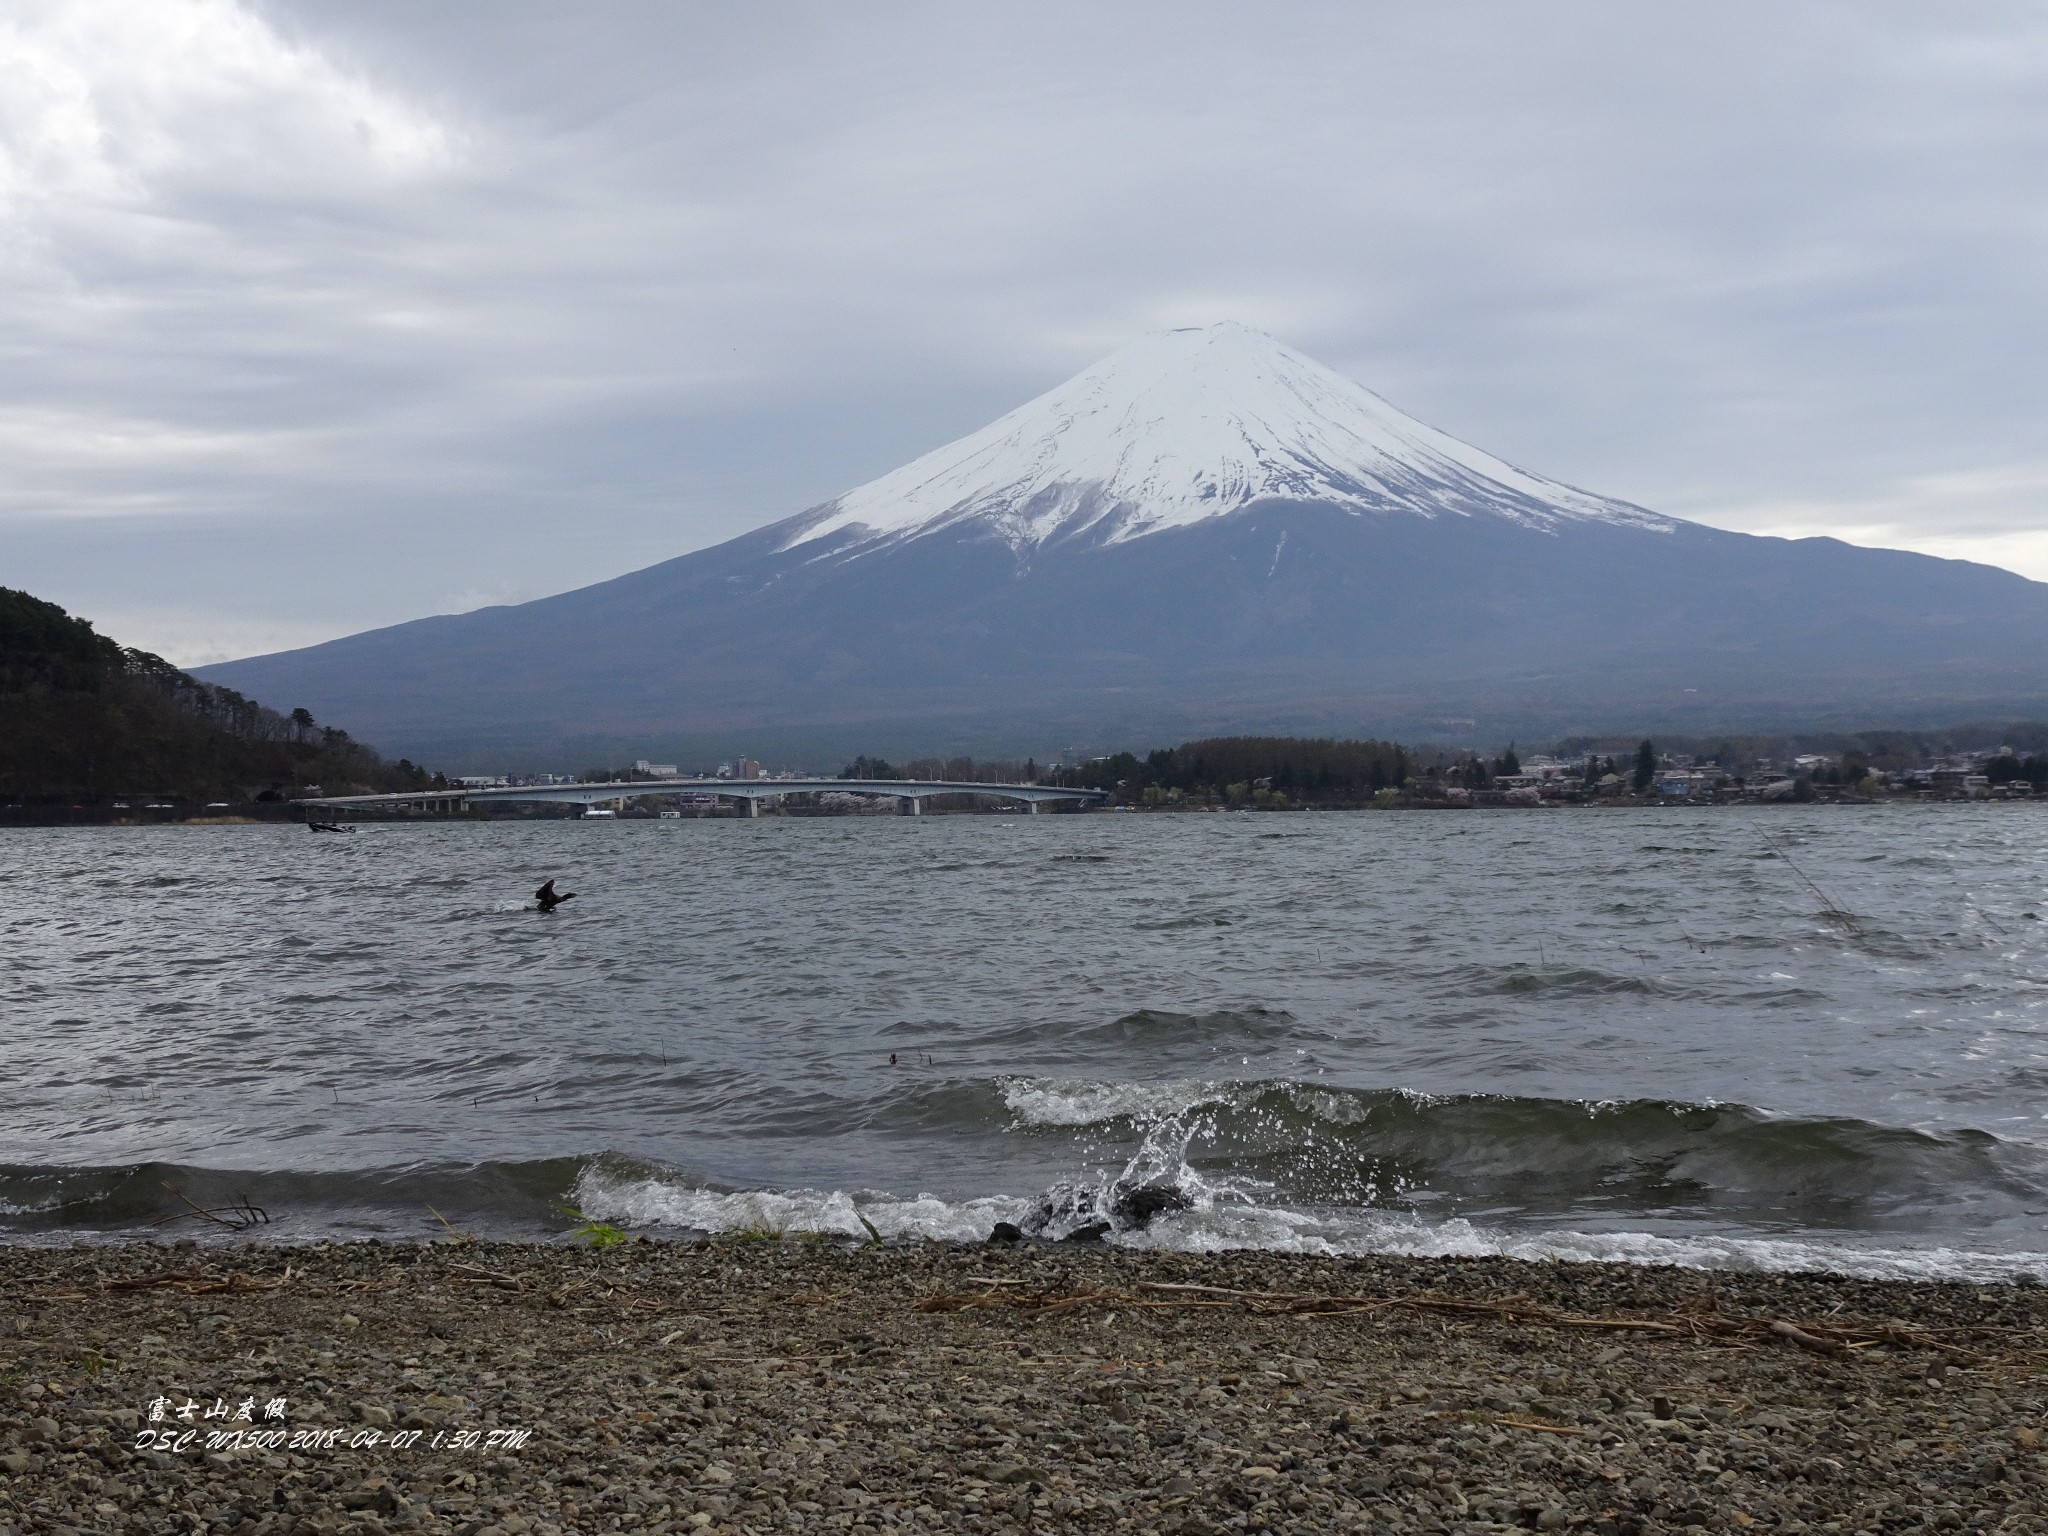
249	817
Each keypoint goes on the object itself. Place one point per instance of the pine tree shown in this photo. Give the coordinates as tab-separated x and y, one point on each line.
1646	766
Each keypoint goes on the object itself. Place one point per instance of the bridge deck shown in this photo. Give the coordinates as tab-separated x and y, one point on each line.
752	790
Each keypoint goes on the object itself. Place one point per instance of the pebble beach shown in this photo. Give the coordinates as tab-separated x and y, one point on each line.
767	1385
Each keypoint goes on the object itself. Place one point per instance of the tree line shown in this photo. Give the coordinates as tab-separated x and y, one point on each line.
958	770
88	719
1254	768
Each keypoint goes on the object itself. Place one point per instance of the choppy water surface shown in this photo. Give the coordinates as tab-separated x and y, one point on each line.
1624	1034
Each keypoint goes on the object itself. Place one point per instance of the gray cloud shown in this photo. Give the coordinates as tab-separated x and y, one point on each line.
319	317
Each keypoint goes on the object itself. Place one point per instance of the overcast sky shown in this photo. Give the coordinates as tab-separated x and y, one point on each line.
315	317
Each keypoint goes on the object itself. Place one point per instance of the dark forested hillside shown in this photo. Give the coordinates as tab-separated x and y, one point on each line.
86	721
1232	767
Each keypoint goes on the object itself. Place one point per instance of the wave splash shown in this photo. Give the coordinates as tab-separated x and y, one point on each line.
1539	1158
1212	1225
1306	1168
1204	1165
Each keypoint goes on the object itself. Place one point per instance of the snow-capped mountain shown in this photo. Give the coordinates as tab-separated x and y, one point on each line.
1192	424
1204	533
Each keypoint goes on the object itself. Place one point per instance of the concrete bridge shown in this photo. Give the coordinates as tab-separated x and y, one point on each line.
909	794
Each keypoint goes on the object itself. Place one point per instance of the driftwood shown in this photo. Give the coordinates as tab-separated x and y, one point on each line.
189	1282
1831	1336
1805	1340
471	1274
239	1217
1545	1428
571	1295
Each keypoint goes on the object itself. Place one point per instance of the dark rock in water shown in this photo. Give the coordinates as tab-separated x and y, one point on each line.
1134	1205
1085	1213
1062	1208
1006	1232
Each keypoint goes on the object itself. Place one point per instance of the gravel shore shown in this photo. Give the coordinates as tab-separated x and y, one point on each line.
781	1385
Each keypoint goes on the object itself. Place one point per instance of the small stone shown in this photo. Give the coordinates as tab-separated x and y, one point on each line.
14	1463
350	1320
1006	1232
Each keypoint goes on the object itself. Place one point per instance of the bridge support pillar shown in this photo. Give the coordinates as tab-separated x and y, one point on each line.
749	807
1031	806
910	805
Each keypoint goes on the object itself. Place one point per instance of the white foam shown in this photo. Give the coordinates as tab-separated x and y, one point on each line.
660	1202
1074	1103
1223	1222
1362	1233
1045	1101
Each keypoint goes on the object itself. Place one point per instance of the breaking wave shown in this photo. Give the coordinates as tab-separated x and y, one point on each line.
1213	1224
1196	1165
1529	1158
1300	1167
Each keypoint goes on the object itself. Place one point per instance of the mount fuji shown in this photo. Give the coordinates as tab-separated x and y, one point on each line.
1204	532
1190	425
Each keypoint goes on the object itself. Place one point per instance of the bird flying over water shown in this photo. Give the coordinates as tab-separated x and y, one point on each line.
548	899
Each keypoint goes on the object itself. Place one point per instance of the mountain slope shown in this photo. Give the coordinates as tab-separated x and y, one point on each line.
1203	533
1189	425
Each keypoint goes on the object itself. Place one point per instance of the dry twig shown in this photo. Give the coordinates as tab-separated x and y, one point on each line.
470	1274
239	1217
1543	1428
193	1282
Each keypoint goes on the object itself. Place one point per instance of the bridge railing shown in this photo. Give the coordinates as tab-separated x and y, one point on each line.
912	792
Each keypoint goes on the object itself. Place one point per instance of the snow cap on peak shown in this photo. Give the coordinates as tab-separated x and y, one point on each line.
1189	424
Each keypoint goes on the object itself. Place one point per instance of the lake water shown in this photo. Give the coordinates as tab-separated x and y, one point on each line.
1627	1034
